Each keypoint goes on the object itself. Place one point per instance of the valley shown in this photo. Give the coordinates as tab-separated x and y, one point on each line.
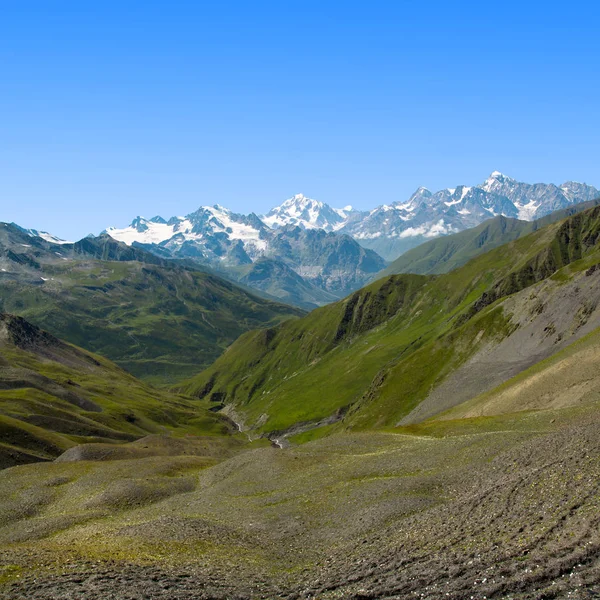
216	387
429	436
158	319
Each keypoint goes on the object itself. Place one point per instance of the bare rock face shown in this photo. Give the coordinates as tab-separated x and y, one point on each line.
18	332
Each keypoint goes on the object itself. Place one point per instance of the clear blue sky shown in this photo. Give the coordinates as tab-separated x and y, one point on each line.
113	109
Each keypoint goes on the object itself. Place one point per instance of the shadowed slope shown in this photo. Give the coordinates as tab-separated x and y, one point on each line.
54	396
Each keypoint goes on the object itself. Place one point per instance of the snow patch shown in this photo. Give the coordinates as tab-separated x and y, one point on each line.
48	237
527	211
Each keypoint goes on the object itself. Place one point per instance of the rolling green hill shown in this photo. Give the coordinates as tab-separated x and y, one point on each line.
371	359
158	319
443	254
54	396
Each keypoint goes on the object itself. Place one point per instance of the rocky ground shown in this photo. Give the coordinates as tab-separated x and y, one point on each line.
504	507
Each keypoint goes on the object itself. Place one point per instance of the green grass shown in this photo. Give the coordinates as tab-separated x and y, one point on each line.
382	349
160	323
56	396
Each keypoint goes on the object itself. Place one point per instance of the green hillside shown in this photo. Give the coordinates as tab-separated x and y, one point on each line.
161	320
373	357
54	396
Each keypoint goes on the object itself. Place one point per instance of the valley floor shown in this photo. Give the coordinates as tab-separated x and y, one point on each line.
488	507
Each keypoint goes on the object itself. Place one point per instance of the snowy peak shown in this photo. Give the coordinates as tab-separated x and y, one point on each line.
575	191
421	196
495	181
532	201
306	213
48	237
210	231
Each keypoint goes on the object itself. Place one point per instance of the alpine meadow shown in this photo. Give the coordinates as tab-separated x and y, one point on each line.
370	390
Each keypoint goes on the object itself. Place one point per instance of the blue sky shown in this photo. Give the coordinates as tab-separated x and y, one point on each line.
113	109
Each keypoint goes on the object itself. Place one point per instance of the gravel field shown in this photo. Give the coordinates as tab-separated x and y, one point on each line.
499	508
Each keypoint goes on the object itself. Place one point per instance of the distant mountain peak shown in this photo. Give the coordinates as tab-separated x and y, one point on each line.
420	196
498	176
301	201
306	213
495	181
501	176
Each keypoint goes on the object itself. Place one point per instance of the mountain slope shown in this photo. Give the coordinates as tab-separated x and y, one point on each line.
380	352
334	263
54	396
280	281
154	317
568	378
446	253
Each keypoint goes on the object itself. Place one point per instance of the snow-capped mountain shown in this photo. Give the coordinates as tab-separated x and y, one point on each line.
537	200
212	233
392	229
289	233
227	241
308	214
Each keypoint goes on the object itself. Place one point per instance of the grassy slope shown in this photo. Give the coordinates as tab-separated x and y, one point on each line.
446	253
54	396
162	322
404	332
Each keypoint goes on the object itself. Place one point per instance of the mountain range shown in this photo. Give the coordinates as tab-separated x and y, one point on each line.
220	235
337	251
